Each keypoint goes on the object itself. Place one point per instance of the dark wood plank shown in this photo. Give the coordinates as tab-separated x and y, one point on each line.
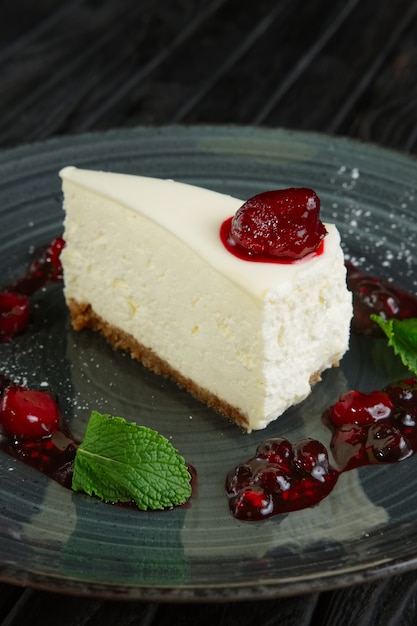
284	612
348	67
9	596
33	607
388	602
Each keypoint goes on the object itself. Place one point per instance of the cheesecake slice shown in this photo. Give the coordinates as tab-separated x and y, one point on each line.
144	265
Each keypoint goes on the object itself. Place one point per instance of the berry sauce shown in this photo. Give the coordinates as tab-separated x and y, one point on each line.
376	427
367	429
280	226
381	297
280	478
32	431
14	299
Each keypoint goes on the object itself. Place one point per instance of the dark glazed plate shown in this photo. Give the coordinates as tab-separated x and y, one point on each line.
52	538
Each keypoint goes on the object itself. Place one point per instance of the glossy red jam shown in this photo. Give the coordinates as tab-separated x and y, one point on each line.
387	435
381	297
367	429
280	478
280	226
44	268
14	299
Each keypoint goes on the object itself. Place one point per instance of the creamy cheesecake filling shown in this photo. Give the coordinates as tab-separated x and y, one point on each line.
146	257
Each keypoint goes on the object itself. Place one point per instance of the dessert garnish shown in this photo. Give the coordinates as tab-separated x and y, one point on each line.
14	299
402	337
367	429
28	413
120	462
376	427
373	296
117	461
280	478
276	226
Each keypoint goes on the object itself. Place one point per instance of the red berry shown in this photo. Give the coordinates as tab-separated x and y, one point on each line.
283	224
239	478
14	314
252	503
355	407
273	479
386	444
310	457
404	394
28	413
276	450
348	446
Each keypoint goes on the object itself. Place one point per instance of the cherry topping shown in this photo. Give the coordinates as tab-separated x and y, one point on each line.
28	413
282	224
14	315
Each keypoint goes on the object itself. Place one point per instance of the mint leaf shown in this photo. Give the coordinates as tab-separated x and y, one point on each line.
120	462
402	337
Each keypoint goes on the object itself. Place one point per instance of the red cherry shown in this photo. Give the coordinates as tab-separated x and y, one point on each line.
282	224
386	444
355	407
28	413
239	478
348	446
14	314
310	457
273	479
276	450
252	503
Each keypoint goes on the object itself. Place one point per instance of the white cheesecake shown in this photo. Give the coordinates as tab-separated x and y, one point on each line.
145	266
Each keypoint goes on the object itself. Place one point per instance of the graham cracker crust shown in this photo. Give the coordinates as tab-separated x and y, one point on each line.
83	316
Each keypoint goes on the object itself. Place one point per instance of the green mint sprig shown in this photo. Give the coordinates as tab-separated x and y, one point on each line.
402	337
120	462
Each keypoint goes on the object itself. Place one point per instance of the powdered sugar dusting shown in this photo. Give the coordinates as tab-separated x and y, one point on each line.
376	219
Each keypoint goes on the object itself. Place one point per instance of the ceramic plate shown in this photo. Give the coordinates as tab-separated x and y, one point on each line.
58	540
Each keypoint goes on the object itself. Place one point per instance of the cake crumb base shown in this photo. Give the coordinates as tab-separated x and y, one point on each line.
83	316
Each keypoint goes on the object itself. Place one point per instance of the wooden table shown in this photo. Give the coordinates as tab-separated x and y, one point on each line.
345	67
